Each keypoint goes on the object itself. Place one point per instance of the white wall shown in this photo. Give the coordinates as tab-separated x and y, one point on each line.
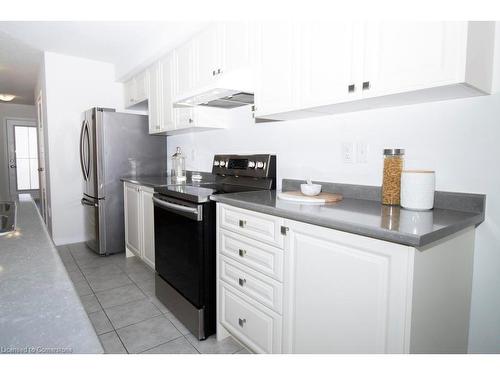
72	86
458	139
10	111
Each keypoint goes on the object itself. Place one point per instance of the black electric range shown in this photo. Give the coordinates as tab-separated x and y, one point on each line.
185	238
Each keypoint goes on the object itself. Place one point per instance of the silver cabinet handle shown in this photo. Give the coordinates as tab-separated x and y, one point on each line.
190	120
219	71
241	322
242	281
351	88
366	85
242	223
213	72
242	252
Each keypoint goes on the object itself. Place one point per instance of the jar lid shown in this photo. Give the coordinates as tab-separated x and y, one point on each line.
394	151
177	152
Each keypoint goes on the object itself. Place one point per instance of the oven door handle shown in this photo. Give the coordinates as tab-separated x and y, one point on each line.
193	212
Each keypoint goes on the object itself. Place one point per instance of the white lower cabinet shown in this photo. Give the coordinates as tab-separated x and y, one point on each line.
320	290
139	222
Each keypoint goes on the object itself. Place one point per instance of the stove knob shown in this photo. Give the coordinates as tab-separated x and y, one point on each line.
251	164
222	163
260	165
216	163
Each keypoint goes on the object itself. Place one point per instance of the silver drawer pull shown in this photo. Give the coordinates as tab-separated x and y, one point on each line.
241	322
242	252
243	223
242	281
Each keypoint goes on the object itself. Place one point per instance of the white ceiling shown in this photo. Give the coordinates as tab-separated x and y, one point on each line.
130	46
18	69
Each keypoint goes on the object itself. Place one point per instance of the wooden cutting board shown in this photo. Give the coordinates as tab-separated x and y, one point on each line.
297	196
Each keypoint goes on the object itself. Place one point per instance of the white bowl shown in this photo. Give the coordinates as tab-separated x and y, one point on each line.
310	189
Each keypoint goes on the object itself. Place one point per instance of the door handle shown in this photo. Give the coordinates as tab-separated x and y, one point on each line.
12	166
82	163
86	202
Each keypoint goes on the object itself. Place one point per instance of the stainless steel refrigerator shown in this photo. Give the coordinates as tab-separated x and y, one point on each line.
113	145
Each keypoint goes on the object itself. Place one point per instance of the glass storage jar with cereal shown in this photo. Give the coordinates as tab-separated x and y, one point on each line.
391	183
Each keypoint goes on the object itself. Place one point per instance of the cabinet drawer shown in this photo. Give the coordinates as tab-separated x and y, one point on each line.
261	257
261	288
254	325
261	227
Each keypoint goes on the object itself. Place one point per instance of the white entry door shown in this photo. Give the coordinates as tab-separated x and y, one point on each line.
22	140
41	158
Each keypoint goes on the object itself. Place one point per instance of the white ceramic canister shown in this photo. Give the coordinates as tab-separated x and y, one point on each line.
417	189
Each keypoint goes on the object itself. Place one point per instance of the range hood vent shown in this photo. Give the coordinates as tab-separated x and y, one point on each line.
231	90
231	101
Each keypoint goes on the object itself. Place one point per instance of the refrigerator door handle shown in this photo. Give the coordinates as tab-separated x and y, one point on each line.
81	151
87	153
86	202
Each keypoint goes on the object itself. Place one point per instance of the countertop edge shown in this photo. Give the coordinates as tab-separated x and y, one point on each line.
93	346
380	234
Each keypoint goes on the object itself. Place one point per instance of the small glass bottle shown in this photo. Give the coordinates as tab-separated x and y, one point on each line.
391	184
178	172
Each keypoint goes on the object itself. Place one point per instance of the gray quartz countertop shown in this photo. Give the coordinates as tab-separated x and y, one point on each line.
362	216
164	180
40	311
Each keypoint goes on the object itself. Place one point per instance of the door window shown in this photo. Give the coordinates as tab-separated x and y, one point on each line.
26	148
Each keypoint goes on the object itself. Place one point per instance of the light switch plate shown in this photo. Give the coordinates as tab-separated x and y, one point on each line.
347	152
361	153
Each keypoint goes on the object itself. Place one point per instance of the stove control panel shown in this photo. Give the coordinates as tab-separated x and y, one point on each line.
258	166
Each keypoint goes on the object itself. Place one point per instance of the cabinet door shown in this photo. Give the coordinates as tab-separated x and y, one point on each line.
168	88
184	117
276	81
235	42
406	56
132	218
344	293
142	86
155	103
184	63
207	61
147	227
328	60
129	92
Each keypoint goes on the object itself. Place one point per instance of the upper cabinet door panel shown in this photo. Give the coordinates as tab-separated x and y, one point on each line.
207	61
406	56
277	76
328	58
184	62
142	86
155	98
236	45
168	88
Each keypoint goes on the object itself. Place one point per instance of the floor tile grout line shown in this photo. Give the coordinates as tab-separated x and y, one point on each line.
102	308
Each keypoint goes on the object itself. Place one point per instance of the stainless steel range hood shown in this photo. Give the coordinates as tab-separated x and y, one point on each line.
230	90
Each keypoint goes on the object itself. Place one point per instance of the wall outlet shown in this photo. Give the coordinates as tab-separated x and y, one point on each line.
361	153
347	152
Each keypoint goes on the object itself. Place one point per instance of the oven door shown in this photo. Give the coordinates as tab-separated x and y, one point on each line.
179	246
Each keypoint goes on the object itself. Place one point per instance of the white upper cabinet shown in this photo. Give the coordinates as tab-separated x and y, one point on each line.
330	59
207	58
169	83
406	56
136	89
236	46
276	84
184	63
155	102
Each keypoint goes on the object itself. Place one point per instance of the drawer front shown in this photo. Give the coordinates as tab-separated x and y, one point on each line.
255	326
256	255
260	227
261	288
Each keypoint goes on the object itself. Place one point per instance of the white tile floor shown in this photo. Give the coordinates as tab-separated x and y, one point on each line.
118	295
